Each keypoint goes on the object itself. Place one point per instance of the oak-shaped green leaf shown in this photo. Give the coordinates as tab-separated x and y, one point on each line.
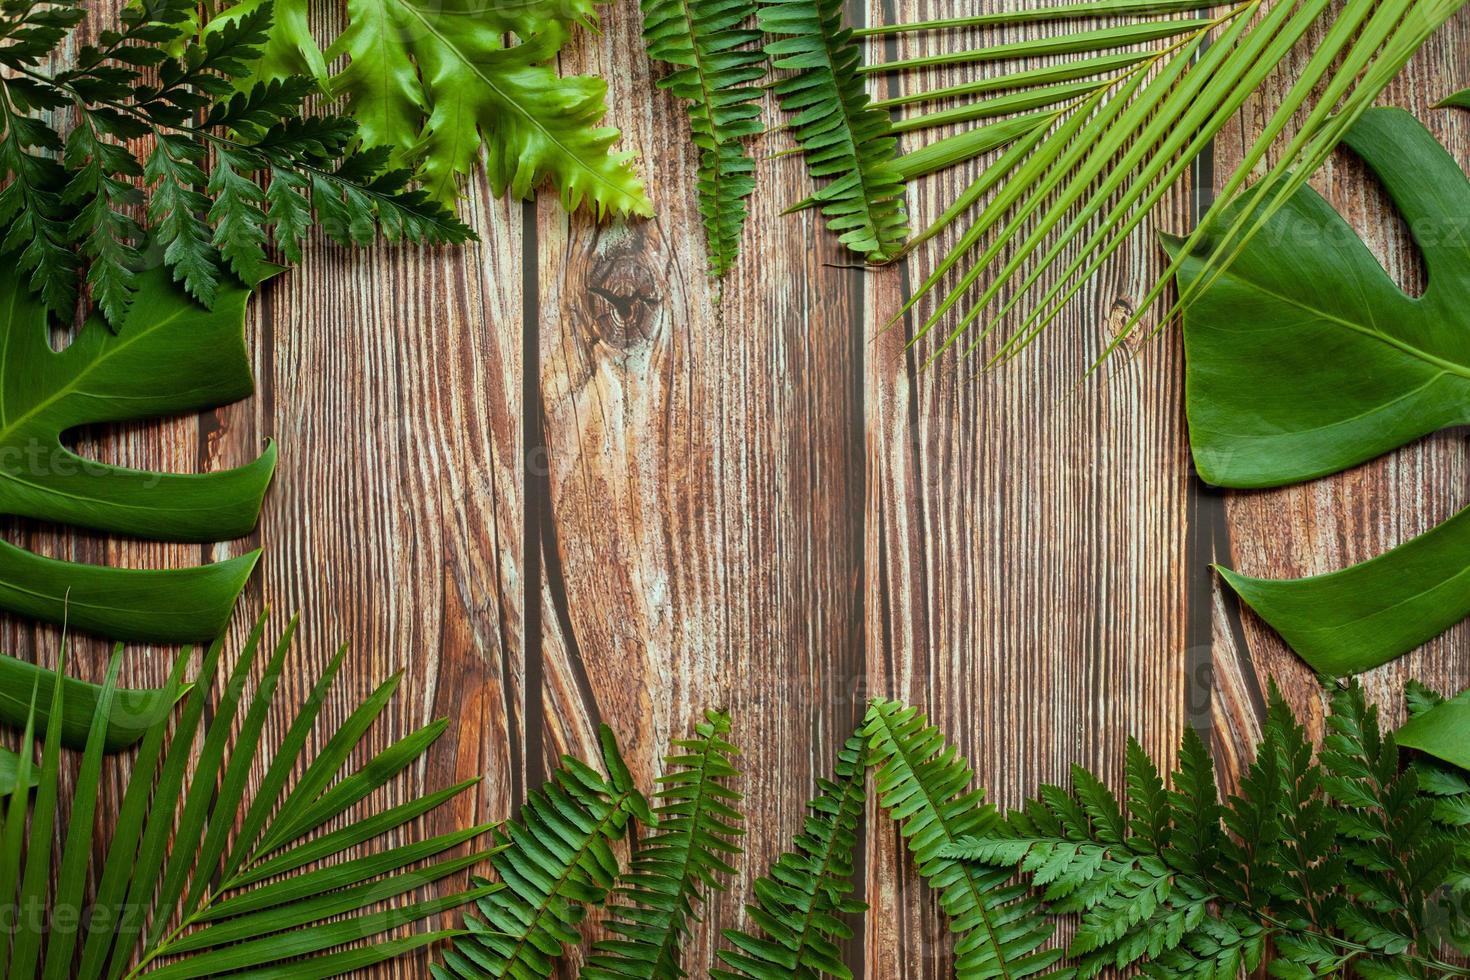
436	81
168	356
1305	358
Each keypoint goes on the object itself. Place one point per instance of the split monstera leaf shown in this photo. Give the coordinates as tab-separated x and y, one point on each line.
168	356
1305	358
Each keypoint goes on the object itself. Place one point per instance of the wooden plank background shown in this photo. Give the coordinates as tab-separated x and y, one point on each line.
558	479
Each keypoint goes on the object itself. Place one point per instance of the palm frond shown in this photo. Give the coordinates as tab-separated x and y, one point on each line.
925	785
709	43
168	903
847	143
1127	127
696	830
554	862
800	903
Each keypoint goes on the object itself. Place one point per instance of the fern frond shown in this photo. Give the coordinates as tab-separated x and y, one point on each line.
846	142
172	901
709	44
1333	861
925	785
695	831
553	862
801	902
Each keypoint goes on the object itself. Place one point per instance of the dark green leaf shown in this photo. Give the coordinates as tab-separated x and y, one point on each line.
133	712
1305	358
167	357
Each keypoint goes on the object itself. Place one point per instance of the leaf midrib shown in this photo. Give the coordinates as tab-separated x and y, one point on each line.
829	855
490	84
543	908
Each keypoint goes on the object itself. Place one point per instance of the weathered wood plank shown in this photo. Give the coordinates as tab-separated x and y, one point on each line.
557	482
705	481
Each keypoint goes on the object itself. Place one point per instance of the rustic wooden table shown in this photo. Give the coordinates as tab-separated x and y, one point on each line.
559	479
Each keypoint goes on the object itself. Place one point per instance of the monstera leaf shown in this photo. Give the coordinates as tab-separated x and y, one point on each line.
168	356
1305	358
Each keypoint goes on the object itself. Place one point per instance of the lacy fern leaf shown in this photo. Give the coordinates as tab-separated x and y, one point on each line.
694	835
553	862
925	784
214	135
1339	862
801	902
709	45
847	143
435	82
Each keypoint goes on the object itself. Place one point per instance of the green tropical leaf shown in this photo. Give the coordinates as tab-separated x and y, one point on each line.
10	773
1036	226
1342	864
1304	358
847	144
1441	729
926	787
709	44
219	105
691	841
802	901
553	862
168	356
1353	620
435	82
167	841
131	714
289	49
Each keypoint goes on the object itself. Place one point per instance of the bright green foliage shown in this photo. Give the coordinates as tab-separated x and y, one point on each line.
925	785
709	43
1340	862
1144	93
133	711
186	870
436	81
687	851
168	356
800	904
211	143
552	863
1304	358
846	142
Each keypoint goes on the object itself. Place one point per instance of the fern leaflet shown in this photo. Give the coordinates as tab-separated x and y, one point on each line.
552	863
1341	863
846	142
801	901
924	783
708	43
695	831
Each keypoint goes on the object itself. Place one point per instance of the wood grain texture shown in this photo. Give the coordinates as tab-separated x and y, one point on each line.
558	480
